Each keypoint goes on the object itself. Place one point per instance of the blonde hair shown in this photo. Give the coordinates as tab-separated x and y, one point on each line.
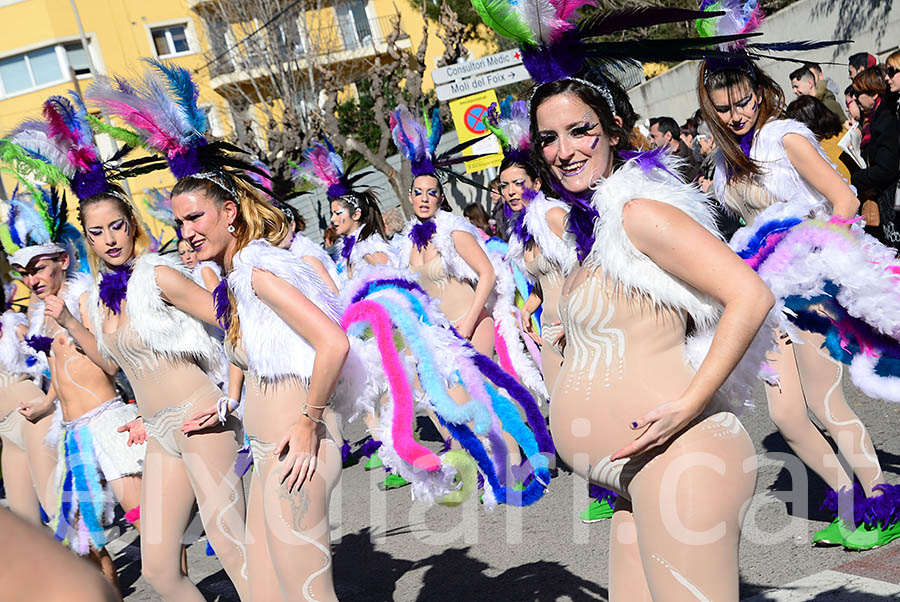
140	238
256	219
894	59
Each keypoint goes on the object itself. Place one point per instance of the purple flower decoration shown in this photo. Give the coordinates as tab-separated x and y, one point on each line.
349	241
114	286
222	304
520	230
422	233
39	343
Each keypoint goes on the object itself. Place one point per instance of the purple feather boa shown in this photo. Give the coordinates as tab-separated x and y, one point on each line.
114	286
222	304
187	162
600	493
347	249
855	508
520	230
422	233
40	343
337	190
581	218
649	160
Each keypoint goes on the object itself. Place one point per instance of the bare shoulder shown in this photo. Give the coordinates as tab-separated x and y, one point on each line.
556	219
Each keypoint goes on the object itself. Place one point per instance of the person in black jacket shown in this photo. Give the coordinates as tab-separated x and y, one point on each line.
881	149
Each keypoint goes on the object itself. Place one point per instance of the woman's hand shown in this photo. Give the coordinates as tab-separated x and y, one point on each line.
466	327
560	341
527	326
300	451
201	420
137	434
56	308
34	411
660	425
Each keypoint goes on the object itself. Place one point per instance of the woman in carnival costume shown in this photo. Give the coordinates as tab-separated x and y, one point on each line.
281	325
773	173
640	233
27	463
99	437
138	313
473	287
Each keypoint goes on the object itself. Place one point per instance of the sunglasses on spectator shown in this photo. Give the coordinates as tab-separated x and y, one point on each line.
892	71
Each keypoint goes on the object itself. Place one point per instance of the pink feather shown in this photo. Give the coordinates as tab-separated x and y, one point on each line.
566	8
155	136
322	169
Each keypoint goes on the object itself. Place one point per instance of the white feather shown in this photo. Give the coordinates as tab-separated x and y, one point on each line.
303	246
370	246
13	352
557	250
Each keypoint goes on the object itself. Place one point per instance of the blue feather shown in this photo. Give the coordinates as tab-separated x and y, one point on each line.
12	224
185	92
437	129
506	107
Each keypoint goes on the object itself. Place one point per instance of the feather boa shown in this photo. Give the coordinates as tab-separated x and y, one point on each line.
779	177
302	246
13	353
617	258
554	248
166	330
853	278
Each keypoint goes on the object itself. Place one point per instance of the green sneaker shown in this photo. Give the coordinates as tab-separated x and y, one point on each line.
394	481
374	462
596	511
832	535
868	538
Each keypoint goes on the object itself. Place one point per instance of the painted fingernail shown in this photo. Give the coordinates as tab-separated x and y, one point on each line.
634	425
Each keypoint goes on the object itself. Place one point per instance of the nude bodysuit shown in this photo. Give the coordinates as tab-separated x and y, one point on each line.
551	279
455	296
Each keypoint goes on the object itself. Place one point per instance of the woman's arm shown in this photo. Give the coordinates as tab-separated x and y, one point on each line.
682	247
210	280
317	265
556	219
331	345
56	308
376	258
533	302
36	411
474	255
185	294
820	175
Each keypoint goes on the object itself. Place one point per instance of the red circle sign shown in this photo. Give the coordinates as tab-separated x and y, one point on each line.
472	119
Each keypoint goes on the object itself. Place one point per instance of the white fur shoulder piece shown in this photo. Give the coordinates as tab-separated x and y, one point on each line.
555	249
71	293
12	351
371	245
614	253
779	176
447	223
303	246
274	349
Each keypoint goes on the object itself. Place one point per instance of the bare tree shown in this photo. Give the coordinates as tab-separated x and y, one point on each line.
400	70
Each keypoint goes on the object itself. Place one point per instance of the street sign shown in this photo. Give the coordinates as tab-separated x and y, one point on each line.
493	62
467	113
487	81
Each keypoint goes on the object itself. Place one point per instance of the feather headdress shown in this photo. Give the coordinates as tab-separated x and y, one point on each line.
325	167
734	21
37	225
510	124
162	111
418	143
555	45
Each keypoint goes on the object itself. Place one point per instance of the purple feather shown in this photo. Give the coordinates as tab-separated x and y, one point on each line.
222	304
746	142
422	167
368	448
581	219
649	160
422	233
40	343
520	230
243	462
338	189
114	286
599	493
548	64
347	249
346	452
86	184
188	162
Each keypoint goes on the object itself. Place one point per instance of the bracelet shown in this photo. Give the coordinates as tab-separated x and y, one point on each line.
309	405
305	412
225	406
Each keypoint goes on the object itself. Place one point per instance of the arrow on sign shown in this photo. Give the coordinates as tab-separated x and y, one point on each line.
486	81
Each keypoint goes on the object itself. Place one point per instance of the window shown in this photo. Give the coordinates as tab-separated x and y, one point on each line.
170	40
30	70
77	58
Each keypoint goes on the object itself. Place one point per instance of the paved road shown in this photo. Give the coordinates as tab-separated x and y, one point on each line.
388	548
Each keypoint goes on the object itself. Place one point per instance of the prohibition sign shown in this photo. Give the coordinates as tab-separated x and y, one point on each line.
472	118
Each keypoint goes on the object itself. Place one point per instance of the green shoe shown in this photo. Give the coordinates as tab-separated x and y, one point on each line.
868	538
394	481
374	462
832	535
597	511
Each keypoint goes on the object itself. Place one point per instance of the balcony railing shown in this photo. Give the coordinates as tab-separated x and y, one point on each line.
286	44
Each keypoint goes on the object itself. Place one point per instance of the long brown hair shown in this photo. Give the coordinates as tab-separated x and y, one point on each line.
370	213
771	106
256	219
140	238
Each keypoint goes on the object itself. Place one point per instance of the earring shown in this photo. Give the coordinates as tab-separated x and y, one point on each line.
231	228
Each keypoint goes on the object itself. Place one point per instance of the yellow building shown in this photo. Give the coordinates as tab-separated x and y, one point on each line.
41	53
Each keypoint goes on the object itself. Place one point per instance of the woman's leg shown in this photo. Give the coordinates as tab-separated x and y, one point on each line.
20	492
42	460
296	525
824	392
209	458
626	574
167	500
788	409
689	504
127	492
